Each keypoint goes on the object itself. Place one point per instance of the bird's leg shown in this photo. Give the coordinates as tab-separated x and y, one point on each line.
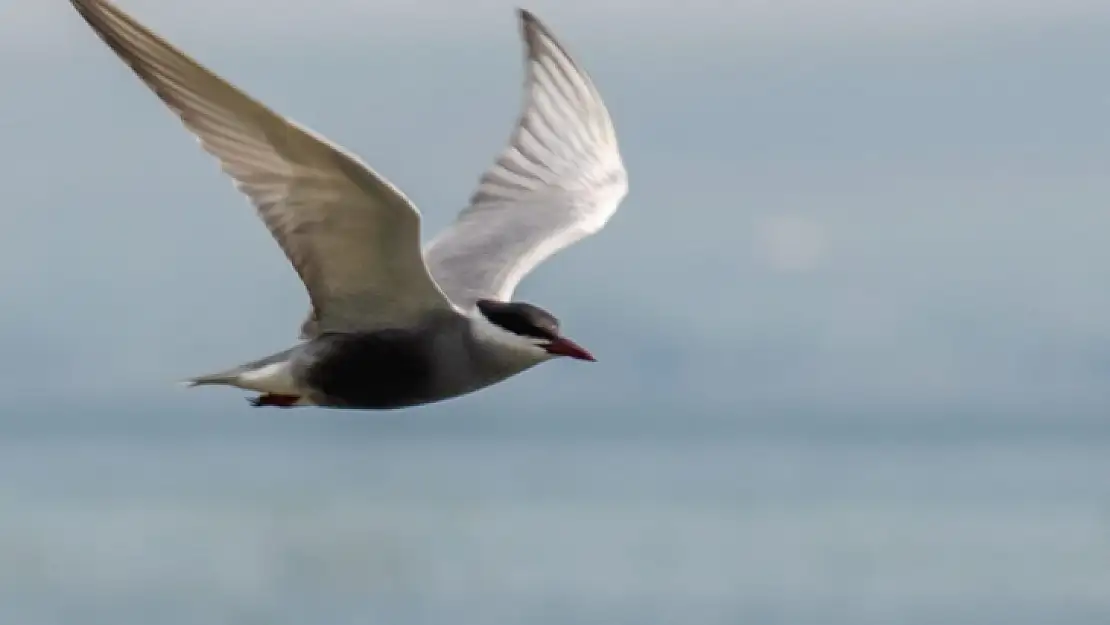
273	399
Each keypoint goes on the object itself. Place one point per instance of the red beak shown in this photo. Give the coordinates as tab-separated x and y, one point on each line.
563	346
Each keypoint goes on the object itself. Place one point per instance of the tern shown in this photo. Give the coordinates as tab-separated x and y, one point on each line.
393	324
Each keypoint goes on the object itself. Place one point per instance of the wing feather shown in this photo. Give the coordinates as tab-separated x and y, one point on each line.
353	238
559	180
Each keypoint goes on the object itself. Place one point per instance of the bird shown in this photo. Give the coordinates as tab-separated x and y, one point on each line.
394	323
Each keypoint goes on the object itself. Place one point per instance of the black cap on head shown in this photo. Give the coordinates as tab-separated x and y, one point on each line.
521	319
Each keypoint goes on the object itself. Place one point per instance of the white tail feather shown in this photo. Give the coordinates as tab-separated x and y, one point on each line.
271	377
267	375
226	378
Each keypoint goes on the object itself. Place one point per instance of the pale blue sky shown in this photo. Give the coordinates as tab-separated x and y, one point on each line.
858	206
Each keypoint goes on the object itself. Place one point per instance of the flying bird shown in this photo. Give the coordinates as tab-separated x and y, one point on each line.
391	324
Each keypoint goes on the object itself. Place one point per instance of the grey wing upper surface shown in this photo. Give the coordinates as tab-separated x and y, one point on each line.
560	179
353	238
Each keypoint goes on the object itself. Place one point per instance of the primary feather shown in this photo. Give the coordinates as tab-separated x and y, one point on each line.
353	237
559	180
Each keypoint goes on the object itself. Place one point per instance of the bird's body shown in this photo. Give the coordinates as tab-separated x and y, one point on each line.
381	370
393	325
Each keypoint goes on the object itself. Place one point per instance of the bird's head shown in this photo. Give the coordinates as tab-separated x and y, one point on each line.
530	328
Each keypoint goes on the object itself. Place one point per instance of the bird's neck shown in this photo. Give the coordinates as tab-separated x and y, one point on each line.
499	349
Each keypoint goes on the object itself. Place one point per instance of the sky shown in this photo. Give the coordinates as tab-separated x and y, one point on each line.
894	209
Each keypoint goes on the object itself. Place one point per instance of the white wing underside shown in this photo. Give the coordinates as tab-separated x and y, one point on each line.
353	238
560	179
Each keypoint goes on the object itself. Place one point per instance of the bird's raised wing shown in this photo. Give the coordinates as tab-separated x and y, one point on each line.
560	180
353	238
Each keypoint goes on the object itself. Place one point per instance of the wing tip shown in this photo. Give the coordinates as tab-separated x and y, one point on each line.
532	28
84	8
87	7
541	42
526	17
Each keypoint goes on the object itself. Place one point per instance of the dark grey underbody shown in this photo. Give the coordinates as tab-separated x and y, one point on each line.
382	370
394	368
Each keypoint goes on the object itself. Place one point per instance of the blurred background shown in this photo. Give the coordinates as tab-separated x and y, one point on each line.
853	324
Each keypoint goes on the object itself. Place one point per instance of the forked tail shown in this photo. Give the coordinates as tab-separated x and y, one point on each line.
268	375
226	378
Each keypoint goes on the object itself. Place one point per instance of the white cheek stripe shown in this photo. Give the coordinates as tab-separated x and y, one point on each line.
487	331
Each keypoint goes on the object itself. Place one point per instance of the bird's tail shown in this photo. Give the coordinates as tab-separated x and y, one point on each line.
226	378
268	375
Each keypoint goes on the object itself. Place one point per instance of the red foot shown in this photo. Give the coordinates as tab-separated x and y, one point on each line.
270	399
